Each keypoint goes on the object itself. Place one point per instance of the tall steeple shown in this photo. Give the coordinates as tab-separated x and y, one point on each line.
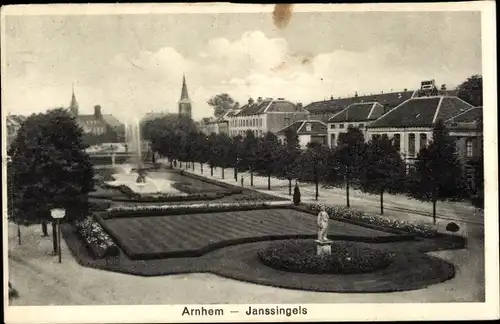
73	106
184	102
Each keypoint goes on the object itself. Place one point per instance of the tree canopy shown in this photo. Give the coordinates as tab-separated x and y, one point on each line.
222	103
49	168
471	90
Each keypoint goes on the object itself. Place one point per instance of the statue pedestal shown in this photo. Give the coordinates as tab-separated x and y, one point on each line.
323	248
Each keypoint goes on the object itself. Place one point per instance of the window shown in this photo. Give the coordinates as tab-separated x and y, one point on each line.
350	125
332	126
423	140
411	145
397	142
287	121
341	125
375	137
361	125
468	148
332	140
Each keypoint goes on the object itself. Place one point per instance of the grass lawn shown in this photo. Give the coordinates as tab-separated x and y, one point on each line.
196	234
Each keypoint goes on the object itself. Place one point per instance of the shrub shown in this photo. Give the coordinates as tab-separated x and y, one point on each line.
296	195
452	227
94	236
346	258
13	293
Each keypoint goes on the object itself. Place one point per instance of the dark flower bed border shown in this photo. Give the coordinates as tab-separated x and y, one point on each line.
96	239
184	210
346	258
392	225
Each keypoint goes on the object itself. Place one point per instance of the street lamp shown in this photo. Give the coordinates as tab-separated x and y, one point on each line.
57	214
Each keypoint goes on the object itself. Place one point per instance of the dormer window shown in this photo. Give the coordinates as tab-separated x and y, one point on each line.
332	126
308	127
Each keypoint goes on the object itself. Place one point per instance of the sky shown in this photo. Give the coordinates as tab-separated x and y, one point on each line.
133	64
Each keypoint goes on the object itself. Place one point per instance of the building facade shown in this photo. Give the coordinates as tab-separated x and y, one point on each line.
308	131
357	115
97	123
13	123
410	125
265	115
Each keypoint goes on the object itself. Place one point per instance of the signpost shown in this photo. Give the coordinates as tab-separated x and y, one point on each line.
57	214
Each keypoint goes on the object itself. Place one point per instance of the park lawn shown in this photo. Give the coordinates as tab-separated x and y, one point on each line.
152	237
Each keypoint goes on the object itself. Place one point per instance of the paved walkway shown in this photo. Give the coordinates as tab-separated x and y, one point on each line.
469	218
41	280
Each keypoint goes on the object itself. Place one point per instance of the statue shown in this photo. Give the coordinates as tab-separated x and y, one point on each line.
142	176
323	225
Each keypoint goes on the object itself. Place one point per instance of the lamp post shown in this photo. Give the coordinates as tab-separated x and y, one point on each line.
57	214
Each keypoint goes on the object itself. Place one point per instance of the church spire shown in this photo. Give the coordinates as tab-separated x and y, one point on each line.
184	93
184	102
73	106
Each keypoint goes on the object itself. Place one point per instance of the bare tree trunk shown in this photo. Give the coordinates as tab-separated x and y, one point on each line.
268	181
289	187
44	229
211	171
434	205
347	192
192	164
235	174
317	188
19	233
201	167
223	173
251	178
54	236
381	202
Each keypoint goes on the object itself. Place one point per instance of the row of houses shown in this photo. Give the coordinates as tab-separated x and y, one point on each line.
406	117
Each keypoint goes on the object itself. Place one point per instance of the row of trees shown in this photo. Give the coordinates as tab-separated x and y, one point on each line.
375	167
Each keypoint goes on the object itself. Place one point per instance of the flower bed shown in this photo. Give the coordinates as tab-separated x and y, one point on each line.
190	189
162	210
346	258
96	238
357	216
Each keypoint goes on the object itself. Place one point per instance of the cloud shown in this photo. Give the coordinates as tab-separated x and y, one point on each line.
132	84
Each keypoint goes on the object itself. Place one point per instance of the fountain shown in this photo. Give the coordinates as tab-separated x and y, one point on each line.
138	180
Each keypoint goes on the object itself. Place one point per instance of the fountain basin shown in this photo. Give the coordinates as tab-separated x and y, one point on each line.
150	186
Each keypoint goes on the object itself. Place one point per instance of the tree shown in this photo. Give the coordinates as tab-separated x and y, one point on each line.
347	158
314	164
50	169
212	152
249	154
201	149
235	154
471	90
222	150
289	157
383	169
268	156
296	194
438	173
222	103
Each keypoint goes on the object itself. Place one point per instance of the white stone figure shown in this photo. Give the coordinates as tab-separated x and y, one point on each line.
323	225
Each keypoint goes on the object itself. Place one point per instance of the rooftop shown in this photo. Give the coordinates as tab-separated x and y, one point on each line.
317	128
359	112
268	105
335	105
422	112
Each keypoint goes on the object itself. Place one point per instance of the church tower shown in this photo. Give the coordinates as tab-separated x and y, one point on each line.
73	106
184	102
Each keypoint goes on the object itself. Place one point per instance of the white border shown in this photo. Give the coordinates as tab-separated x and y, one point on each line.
316	312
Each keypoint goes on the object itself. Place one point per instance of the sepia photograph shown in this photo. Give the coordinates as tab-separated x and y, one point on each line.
225	162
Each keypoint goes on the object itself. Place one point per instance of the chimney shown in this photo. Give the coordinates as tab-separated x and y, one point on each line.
356	94
97	112
250	101
259	100
406	89
308	127
331	97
